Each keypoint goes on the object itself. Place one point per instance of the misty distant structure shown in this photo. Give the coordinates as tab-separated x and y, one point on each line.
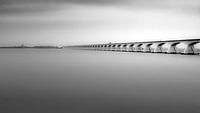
187	47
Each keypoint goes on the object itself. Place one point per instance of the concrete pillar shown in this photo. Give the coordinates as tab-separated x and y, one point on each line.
158	48
189	49
101	48
130	47
146	47
112	48
118	48
137	47
109	47
196	48
123	47
97	47
172	48
104	47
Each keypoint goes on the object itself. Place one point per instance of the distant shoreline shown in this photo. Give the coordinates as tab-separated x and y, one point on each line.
34	47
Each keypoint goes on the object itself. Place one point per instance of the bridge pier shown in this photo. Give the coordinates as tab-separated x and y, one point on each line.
172	48
186	47
130	48
117	48
146	47
112	47
197	48
137	47
158	48
188	50
123	47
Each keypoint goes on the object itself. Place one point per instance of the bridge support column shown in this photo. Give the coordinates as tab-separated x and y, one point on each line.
130	47
158	48
147	48
189	49
138	48
172	48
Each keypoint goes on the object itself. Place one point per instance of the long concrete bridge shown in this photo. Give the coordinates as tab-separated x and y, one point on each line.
188	46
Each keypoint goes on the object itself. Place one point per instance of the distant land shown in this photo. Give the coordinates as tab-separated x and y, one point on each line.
37	47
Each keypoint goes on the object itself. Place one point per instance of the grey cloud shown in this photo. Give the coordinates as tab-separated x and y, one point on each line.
63	1
21	9
38	6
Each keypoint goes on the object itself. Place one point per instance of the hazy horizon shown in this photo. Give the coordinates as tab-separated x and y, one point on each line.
68	22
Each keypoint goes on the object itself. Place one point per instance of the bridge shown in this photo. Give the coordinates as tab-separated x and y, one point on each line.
187	47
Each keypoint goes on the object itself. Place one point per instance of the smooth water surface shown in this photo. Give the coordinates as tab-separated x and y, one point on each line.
81	81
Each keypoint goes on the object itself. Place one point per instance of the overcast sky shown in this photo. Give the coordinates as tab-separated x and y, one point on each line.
66	22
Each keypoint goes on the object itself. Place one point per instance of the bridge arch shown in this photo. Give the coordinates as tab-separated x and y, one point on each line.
137	47
108	47
158	48
130	47
118	47
197	48
104	47
113	47
146	47
95	46
92	46
186	47
190	48
123	47
172	48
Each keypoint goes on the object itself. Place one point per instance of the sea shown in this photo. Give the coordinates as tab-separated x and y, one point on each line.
86	81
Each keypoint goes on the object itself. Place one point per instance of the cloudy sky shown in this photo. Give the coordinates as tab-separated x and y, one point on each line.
66	22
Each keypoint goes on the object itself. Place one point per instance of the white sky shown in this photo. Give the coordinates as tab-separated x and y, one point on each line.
69	23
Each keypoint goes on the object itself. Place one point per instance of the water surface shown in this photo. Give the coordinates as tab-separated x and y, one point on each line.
78	81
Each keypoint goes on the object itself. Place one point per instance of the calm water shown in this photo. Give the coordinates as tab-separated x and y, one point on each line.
75	81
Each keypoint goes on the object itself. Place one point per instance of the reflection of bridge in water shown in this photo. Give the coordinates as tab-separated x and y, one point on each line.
188	46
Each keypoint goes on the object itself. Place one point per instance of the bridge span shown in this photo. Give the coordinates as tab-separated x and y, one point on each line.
187	46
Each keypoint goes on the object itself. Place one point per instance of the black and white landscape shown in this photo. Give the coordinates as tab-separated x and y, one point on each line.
99	56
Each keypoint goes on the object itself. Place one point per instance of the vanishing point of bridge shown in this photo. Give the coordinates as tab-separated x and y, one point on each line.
189	46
